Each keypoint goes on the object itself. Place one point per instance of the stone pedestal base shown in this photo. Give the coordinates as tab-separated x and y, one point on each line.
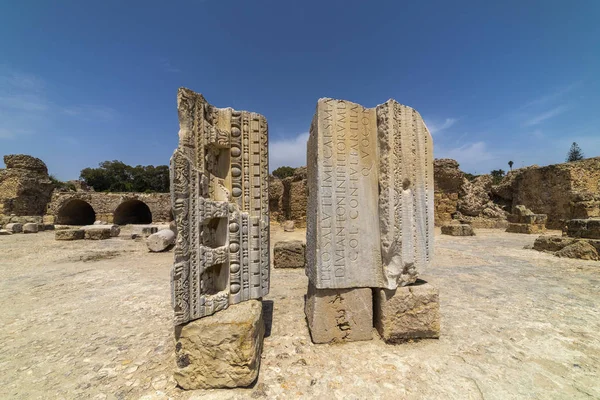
409	312
289	254
526	228
339	315
458	230
222	350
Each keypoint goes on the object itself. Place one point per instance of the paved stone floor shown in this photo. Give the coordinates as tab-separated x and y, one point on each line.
93	320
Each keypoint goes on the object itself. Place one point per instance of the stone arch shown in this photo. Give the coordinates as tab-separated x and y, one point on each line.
76	212
132	212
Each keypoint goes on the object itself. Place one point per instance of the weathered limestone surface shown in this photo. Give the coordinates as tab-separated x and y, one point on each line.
581	249
458	230
69	234
30	227
584	228
288	226
14	227
161	240
289	254
5	232
115	230
220	197
410	312
370	177
222	350
526	228
99	233
523	220
143	231
339	315
25	187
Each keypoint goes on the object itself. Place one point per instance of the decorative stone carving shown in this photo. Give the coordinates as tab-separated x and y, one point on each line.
370	178
220	194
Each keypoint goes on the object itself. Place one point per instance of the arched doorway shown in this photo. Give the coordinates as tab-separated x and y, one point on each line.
132	212
76	212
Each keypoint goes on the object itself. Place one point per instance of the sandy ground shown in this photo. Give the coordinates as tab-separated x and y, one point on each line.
93	320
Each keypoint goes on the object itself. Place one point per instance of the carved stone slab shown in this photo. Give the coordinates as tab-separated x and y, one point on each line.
220	194
370	178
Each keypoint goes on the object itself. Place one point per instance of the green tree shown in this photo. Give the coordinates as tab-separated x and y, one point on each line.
575	153
283	172
497	175
116	176
510	164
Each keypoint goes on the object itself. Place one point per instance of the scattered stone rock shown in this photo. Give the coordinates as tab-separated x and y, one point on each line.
14	227
222	350
458	230
526	228
584	228
288	226
339	315
409	312
115	230
31	227
69	234
143	231
5	232
581	249
161	240
48	227
289	254
98	233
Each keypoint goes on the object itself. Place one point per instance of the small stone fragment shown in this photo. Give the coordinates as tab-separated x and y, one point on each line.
580	249
143	231
161	240
14	227
69	234
409	312
289	254
222	350
339	315
30	227
458	230
98	233
288	226
48	227
4	232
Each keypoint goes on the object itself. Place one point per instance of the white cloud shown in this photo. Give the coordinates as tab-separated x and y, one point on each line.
27	108
538	119
435	127
89	112
472	157
290	152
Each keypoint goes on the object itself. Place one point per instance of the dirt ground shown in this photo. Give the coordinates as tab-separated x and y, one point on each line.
92	320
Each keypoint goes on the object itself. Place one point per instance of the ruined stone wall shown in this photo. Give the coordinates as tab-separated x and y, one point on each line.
448	179
105	204
288	197
25	187
562	191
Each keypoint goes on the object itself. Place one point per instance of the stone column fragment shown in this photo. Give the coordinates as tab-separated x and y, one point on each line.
370	177
370	225
219	190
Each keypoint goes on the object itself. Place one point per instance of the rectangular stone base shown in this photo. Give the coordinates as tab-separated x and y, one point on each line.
526	228
339	315
222	350
409	312
458	230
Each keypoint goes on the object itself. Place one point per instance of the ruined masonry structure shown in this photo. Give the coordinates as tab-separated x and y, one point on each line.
220	202
370	174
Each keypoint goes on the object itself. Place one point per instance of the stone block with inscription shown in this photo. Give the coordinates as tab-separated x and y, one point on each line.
370	179
220	195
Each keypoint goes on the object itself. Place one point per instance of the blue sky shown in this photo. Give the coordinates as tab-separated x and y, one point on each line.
82	82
